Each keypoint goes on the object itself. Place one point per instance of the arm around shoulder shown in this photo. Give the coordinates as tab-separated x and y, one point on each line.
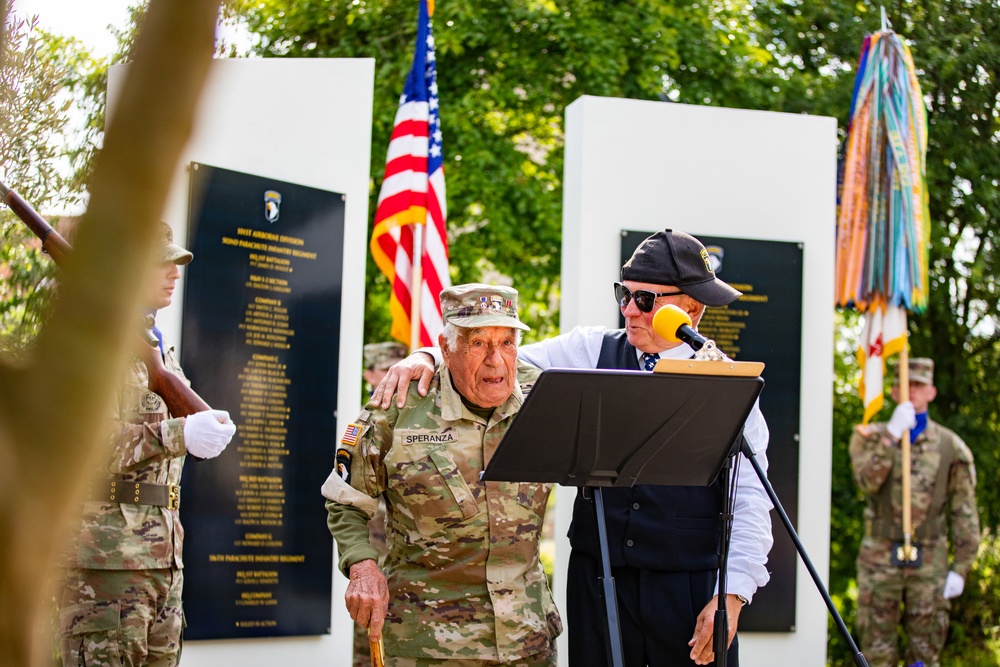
418	366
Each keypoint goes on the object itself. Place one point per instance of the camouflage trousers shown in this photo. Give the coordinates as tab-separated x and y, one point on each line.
889	595
545	659
127	618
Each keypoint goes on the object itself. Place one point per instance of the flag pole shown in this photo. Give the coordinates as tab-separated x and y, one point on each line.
908	554
416	284
412	197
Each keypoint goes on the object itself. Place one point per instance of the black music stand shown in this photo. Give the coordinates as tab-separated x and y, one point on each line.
608	428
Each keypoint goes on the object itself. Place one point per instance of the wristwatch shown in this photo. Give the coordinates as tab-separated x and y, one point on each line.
742	599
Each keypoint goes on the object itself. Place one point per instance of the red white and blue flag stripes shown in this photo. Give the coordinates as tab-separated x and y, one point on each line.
409	241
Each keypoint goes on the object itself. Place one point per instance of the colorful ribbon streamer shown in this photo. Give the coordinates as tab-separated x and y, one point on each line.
883	221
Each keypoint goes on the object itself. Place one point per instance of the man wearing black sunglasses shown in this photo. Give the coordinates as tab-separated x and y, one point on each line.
663	540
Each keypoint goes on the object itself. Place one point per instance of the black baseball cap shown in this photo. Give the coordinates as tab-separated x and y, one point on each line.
680	260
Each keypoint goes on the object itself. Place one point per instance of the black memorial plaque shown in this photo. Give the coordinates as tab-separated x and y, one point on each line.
261	336
765	324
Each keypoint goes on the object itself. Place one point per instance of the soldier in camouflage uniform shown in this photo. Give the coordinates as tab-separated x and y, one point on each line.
463	584
378	358
121	598
943	495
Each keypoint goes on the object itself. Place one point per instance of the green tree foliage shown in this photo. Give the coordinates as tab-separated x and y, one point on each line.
506	71
846	503
51	132
52	405
508	68
41	81
956	49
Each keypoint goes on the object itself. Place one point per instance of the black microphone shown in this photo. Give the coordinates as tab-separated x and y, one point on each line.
673	324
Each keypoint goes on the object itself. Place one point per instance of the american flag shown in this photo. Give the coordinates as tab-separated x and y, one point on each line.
351	434
413	194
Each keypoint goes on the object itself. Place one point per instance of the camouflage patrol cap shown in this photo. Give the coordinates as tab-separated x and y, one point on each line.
479	305
168	251
380	356
921	370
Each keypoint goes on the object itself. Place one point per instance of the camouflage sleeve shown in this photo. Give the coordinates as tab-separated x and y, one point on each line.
139	430
356	482
349	526
872	453
963	513
136	445
526	376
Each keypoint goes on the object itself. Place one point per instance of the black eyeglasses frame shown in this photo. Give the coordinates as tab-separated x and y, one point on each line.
644	299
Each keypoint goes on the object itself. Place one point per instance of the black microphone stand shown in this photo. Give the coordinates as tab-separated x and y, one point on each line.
614	646
705	348
697	342
859	658
720	637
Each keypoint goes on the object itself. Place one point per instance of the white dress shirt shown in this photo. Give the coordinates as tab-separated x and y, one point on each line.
751	534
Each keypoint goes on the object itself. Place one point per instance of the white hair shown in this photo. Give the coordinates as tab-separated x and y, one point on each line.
451	334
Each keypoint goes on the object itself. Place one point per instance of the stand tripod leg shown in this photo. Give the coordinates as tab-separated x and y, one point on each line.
720	638
608	586
859	658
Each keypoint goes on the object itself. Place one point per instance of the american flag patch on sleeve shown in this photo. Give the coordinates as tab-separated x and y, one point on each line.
351	434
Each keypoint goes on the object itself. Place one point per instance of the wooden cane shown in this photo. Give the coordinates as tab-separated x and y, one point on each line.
378	657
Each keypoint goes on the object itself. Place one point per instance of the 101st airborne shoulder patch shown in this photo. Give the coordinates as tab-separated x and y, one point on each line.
352	434
344	465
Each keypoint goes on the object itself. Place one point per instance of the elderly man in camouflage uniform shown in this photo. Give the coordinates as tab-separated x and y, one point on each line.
463	583
378	357
121	597
943	494
663	540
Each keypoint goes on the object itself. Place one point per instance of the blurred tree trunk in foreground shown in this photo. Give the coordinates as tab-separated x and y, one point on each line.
52	404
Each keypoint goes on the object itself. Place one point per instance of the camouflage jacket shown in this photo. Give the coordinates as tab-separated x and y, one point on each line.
876	459
464	576
144	445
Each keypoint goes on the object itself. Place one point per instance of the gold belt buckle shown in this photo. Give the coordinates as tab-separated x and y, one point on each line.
174	502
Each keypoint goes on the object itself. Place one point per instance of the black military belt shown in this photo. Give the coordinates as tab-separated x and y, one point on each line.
928	530
118	490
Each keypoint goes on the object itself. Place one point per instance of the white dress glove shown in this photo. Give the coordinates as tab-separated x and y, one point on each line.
207	433
954	584
903	419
